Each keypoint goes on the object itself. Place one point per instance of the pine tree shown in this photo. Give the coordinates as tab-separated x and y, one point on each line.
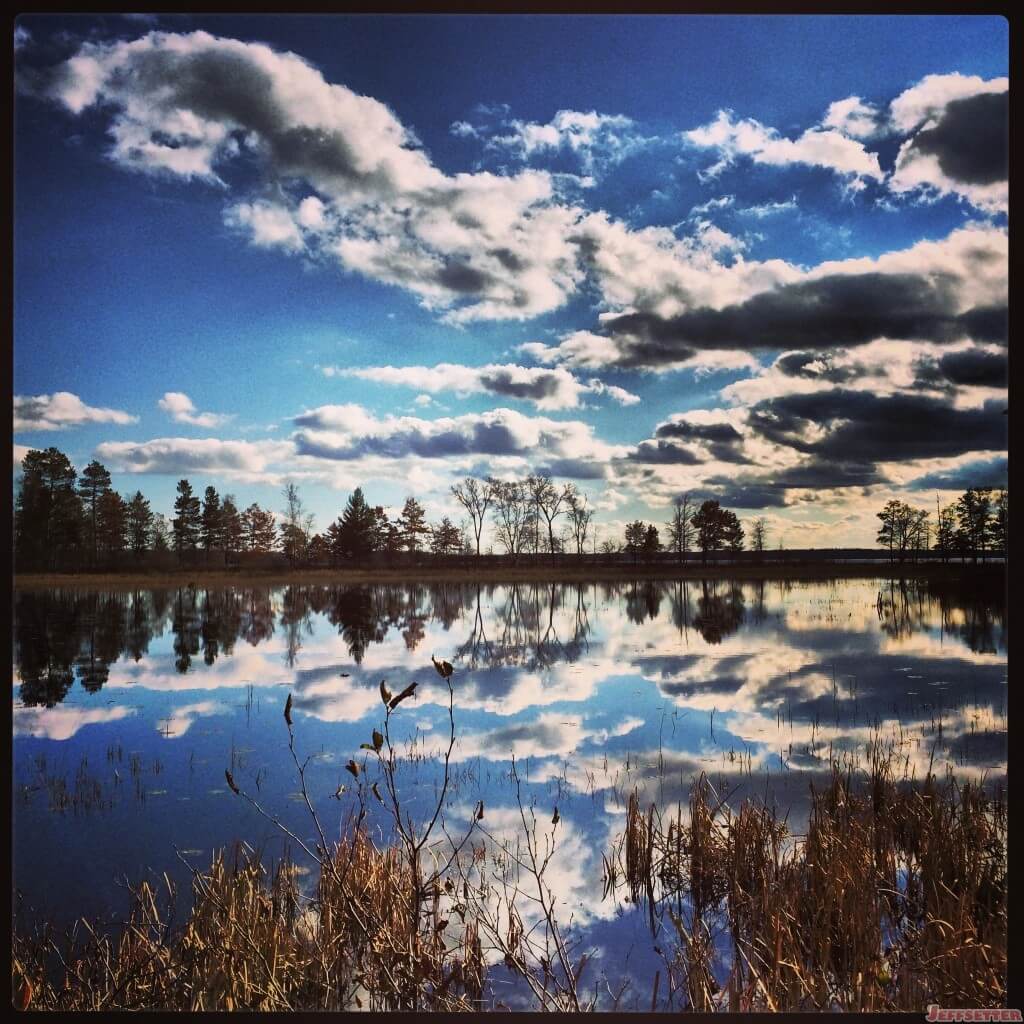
140	524
187	520
93	484
112	524
48	511
413	524
211	526
231	528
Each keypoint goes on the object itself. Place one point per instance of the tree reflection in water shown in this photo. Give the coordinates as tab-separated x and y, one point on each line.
61	635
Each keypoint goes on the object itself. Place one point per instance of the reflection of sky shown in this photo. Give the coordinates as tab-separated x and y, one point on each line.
595	690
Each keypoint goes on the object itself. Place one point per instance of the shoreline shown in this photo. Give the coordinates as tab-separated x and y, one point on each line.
510	574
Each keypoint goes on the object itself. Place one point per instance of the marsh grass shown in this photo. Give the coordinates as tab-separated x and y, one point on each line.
895	897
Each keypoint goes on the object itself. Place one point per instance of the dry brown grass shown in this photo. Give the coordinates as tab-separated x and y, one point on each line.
894	898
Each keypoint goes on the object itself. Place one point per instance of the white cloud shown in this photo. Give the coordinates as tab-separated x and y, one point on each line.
60	410
854	117
238	460
362	192
181	409
817	147
595	139
548	389
347	432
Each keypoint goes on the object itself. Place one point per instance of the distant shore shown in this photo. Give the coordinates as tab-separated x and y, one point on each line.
810	570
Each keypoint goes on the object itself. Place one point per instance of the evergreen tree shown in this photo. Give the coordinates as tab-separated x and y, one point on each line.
211	526
93	484
652	542
413	524
187	520
354	535
231	528
112	524
140	524
48	512
445	538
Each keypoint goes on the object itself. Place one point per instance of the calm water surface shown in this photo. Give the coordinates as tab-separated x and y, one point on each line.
129	705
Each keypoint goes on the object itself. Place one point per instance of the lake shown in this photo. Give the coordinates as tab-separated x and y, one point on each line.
130	704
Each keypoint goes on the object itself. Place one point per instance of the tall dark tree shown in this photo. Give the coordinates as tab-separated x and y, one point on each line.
413	524
231	528
112	525
732	531
759	534
92	485
974	511
445	538
140	524
652	542
187	520
211	525
717	529
352	535
48	512
636	535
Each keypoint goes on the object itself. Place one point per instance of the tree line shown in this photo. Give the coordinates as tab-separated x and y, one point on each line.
977	523
67	520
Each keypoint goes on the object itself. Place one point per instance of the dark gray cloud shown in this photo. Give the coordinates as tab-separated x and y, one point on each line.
746	492
722	441
818	366
986	473
573	469
971	139
975	367
663	453
842	310
504	382
863	427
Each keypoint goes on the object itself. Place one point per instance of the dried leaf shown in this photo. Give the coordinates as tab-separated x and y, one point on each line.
231	782
353	768
407	692
444	668
555	819
479	810
378	740
288	709
376	792
385	693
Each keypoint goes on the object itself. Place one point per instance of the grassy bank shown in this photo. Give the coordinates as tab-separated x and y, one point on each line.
589	573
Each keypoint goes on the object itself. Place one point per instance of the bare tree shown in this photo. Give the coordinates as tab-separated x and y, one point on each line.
513	514
549	501
475	497
580	516
680	529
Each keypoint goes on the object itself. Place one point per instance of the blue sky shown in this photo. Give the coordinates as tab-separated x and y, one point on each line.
756	259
